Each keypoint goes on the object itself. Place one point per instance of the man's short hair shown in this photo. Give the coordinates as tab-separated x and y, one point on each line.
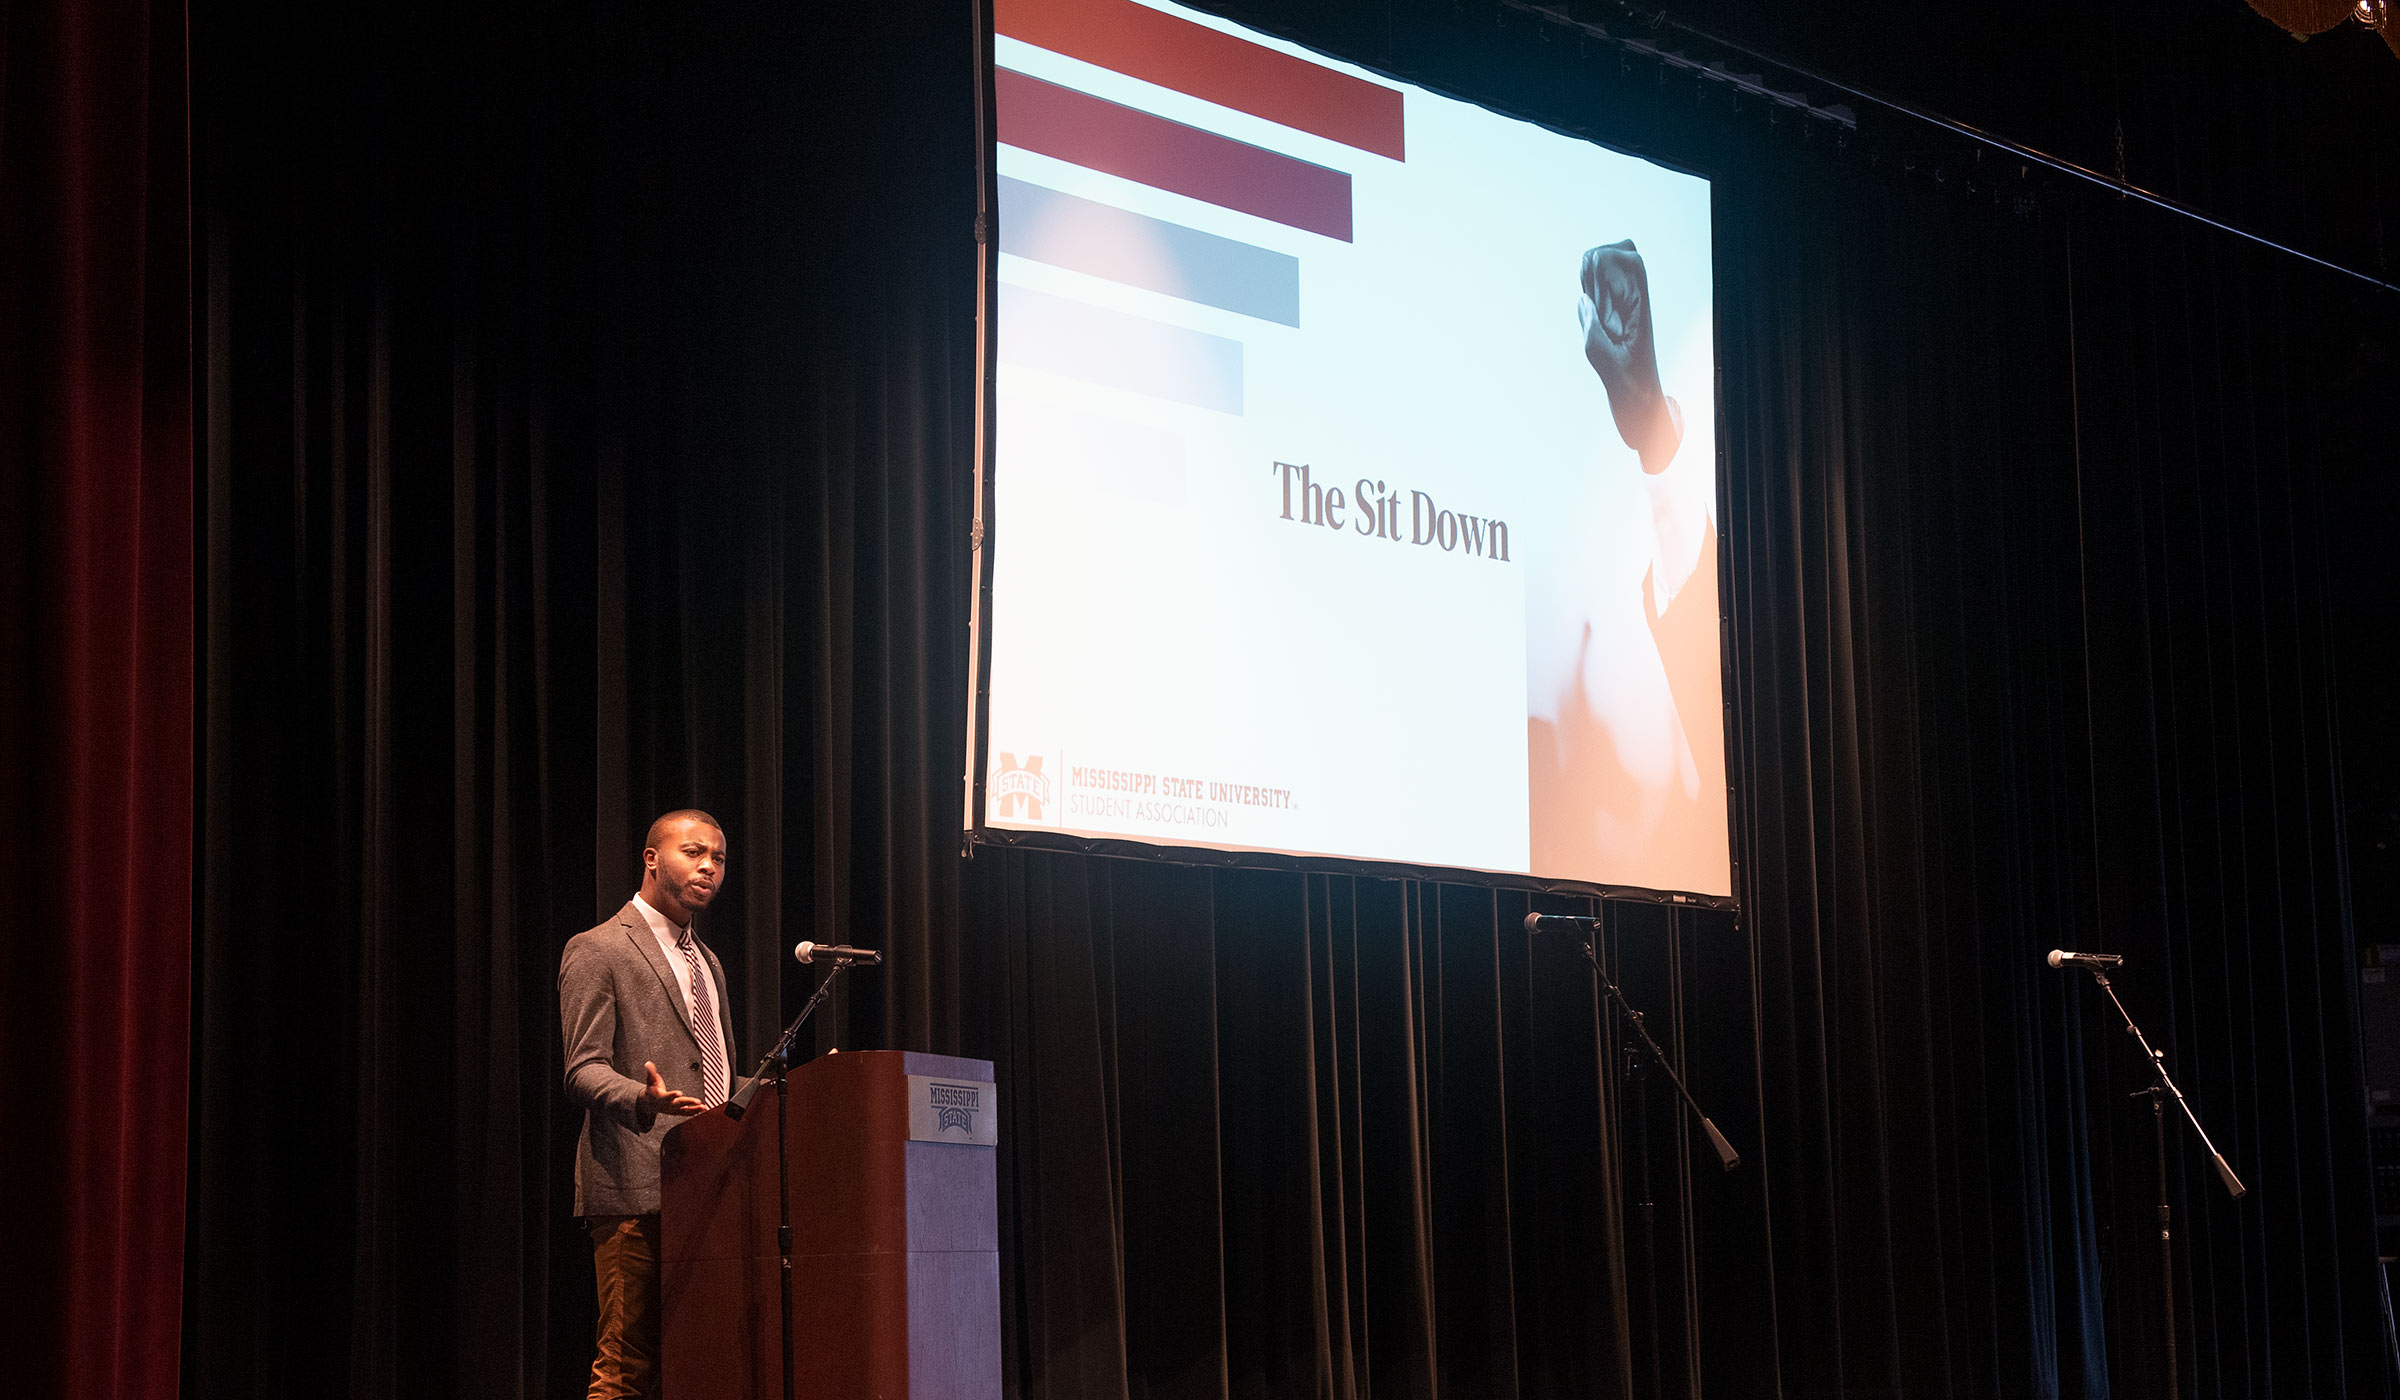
658	829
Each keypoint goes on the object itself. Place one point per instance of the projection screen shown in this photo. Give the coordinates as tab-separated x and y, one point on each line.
1353	481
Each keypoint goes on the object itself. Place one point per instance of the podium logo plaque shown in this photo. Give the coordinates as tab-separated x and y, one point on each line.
964	1111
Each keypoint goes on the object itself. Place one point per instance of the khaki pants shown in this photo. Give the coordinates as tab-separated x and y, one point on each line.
625	1261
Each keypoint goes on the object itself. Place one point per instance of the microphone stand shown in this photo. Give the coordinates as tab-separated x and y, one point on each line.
778	1063
2166	1235
1636	1067
2158	1094
1725	1152
1638	1058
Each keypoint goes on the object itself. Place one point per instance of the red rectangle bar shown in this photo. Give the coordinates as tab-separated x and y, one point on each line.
1213	66
1101	135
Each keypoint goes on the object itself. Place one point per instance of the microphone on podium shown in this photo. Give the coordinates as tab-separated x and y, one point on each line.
808	952
2060	957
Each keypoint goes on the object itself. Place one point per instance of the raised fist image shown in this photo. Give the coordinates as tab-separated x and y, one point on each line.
1615	312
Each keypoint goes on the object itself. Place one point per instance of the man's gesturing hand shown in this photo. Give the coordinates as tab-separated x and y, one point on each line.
1615	311
666	1100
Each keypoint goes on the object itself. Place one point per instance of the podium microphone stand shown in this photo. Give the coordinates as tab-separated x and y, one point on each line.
778	1066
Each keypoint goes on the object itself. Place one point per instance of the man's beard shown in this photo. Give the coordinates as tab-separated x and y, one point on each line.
684	895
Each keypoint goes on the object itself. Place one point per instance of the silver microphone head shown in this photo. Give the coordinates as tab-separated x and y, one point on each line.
2058	957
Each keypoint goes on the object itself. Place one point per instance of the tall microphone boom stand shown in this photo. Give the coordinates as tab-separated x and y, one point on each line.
1591	954
778	1063
2158	1094
1636	1071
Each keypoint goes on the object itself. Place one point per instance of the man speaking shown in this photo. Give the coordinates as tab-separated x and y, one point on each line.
642	1007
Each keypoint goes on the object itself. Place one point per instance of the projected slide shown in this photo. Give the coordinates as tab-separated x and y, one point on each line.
1353	483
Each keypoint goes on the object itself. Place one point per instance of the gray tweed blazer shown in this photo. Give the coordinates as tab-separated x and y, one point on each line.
619	1005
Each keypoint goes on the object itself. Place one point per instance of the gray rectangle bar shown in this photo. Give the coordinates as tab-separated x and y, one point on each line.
1102	240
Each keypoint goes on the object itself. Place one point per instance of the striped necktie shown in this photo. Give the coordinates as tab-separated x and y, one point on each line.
704	1025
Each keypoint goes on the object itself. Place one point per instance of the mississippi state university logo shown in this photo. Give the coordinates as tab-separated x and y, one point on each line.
954	1106
1022	790
961	1112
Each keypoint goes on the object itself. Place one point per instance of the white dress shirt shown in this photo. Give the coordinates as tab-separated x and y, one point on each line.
670	945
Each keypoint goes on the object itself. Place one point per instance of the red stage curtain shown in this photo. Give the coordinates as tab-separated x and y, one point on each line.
96	612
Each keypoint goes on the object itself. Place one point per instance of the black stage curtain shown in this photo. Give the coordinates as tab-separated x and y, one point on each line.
580	405
586	410
2034	621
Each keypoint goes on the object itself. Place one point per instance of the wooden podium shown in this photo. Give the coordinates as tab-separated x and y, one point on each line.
895	1248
